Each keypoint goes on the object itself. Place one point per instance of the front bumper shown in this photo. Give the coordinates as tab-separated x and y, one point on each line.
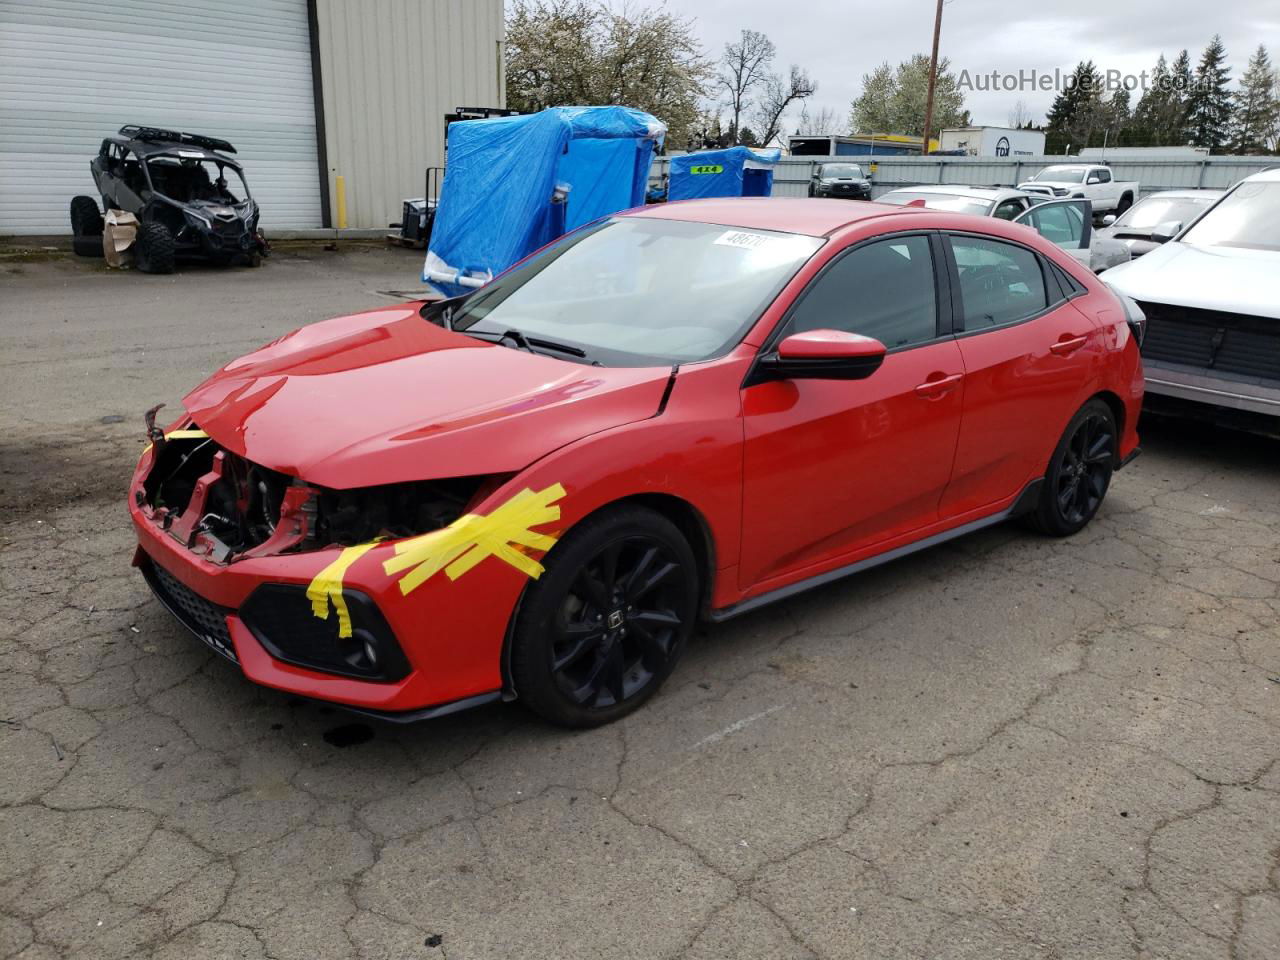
451	632
1197	384
855	191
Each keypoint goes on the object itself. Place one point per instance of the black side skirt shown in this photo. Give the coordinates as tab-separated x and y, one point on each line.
1025	503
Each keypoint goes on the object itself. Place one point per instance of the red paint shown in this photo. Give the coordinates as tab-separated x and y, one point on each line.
788	479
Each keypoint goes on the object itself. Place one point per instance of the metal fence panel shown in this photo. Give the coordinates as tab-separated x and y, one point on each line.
791	175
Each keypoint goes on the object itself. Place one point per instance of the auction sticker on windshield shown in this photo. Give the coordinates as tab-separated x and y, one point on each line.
744	240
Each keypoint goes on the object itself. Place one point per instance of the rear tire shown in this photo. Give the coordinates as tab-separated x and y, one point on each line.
154	248
1125	203
1079	472
86	218
606	623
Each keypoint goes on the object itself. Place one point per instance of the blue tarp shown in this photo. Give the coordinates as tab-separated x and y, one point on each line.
496	202
734	172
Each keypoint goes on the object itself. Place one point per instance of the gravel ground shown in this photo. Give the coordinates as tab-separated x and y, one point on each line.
1005	747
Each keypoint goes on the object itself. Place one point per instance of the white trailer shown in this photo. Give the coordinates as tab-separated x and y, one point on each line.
992	142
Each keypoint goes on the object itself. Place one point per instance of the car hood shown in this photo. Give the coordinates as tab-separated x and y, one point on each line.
1232	279
386	397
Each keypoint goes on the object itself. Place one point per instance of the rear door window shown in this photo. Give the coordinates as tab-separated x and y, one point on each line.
1000	282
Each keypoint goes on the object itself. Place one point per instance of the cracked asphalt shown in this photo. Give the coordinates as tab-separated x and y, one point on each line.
1006	747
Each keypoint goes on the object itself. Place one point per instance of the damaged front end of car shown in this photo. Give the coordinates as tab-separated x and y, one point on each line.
214	509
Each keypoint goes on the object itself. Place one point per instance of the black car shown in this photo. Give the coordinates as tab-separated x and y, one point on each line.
190	199
839	180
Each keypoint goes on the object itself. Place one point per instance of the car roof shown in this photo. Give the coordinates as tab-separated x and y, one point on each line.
815	218
1266	176
963	190
154	148
1188	193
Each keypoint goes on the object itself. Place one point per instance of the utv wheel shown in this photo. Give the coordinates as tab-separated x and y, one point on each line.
603	627
87	246
154	248
86	218
1079	473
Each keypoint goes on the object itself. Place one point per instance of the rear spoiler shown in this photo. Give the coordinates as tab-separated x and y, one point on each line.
157	135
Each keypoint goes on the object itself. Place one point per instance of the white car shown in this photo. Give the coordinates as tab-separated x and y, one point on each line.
1084	181
1068	223
1211	297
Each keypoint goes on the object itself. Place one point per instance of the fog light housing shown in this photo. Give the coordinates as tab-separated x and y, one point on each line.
279	615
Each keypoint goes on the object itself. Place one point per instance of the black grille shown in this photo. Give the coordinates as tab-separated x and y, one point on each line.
1232	343
205	619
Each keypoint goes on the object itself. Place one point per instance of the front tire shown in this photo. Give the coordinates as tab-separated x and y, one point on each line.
86	218
154	248
606	623
1079	472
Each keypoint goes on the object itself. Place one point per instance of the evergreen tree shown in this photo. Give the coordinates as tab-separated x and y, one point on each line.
1173	128
1119	118
1152	106
1257	108
1209	106
1077	114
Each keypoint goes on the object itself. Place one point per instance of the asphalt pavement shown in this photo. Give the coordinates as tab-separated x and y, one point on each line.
1006	747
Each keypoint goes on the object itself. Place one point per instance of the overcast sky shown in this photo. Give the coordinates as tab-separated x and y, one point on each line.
840	40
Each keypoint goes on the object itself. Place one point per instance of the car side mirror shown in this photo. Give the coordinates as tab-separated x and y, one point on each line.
1109	219
1164	232
822	355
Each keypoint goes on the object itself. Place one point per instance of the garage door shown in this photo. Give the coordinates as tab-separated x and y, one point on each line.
75	71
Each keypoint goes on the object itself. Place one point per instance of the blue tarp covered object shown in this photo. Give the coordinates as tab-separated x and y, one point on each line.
513	184
734	172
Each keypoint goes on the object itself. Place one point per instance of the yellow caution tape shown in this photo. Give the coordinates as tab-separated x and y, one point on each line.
327	587
180	435
469	539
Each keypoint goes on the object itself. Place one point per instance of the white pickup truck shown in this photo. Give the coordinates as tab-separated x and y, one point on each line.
1088	180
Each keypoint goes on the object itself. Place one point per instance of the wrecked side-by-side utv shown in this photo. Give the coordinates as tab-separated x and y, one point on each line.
190	200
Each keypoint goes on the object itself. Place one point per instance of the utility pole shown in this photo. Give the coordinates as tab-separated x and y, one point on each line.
933	79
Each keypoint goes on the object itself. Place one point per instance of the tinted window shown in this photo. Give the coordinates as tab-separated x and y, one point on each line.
883	290
999	282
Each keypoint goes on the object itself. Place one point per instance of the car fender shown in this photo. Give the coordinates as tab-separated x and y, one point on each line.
691	450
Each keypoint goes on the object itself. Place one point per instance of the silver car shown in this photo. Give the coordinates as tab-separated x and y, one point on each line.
1067	223
1157	218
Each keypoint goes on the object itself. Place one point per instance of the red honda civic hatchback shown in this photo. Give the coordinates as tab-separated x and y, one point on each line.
680	412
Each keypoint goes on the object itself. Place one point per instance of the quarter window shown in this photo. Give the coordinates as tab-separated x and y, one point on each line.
1009	209
883	290
999	282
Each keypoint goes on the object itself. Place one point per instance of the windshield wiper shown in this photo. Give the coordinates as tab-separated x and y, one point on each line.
526	342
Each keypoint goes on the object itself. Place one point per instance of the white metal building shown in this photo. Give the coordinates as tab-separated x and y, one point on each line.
306	90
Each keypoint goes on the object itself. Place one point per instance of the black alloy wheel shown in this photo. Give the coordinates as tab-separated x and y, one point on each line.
605	625
1080	472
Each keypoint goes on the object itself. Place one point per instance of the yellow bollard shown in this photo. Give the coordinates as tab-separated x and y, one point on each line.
340	197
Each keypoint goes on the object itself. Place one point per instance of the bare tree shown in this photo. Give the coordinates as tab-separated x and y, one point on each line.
744	68
825	121
778	95
1020	115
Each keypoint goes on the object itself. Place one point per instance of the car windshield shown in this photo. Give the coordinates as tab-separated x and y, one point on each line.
841	170
639	291
1157	210
950	202
1062	174
1249	216
188	180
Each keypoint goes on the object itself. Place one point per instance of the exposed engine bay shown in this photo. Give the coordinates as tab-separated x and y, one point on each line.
216	502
